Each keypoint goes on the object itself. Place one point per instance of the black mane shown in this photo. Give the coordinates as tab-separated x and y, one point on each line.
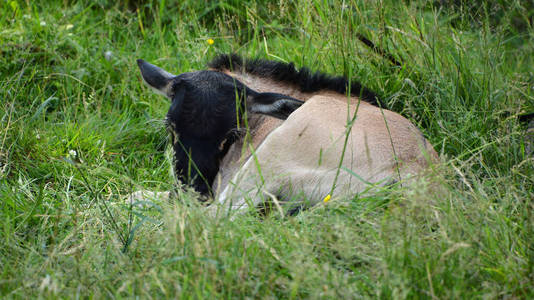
305	79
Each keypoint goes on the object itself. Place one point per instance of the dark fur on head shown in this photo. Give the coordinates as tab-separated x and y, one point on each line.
202	114
203	118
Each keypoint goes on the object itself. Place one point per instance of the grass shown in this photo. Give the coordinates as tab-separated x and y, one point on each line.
69	83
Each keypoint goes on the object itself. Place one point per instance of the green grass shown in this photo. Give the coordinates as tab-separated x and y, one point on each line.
467	75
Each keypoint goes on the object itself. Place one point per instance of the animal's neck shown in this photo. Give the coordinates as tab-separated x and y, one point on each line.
259	126
262	85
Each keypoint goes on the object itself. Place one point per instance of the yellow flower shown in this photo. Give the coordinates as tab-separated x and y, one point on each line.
210	41
327	198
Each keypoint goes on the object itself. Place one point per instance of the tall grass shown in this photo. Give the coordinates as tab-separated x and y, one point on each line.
79	132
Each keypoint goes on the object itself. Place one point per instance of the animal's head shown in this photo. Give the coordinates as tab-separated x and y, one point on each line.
205	109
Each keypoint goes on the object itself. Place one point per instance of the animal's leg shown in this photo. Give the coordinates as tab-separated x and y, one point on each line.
253	185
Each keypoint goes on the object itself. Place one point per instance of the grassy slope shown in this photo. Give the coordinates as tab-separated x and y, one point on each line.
64	231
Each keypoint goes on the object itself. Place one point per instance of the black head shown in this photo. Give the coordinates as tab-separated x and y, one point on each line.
206	108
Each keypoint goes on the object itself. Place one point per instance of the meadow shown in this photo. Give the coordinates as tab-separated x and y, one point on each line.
79	132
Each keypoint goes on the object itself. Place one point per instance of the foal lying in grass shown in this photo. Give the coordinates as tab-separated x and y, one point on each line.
252	132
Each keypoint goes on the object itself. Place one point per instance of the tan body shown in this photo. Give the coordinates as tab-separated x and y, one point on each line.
300	157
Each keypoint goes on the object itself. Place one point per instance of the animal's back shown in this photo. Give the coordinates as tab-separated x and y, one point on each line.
303	155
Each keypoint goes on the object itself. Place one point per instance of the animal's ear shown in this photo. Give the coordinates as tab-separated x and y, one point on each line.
273	104
157	78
